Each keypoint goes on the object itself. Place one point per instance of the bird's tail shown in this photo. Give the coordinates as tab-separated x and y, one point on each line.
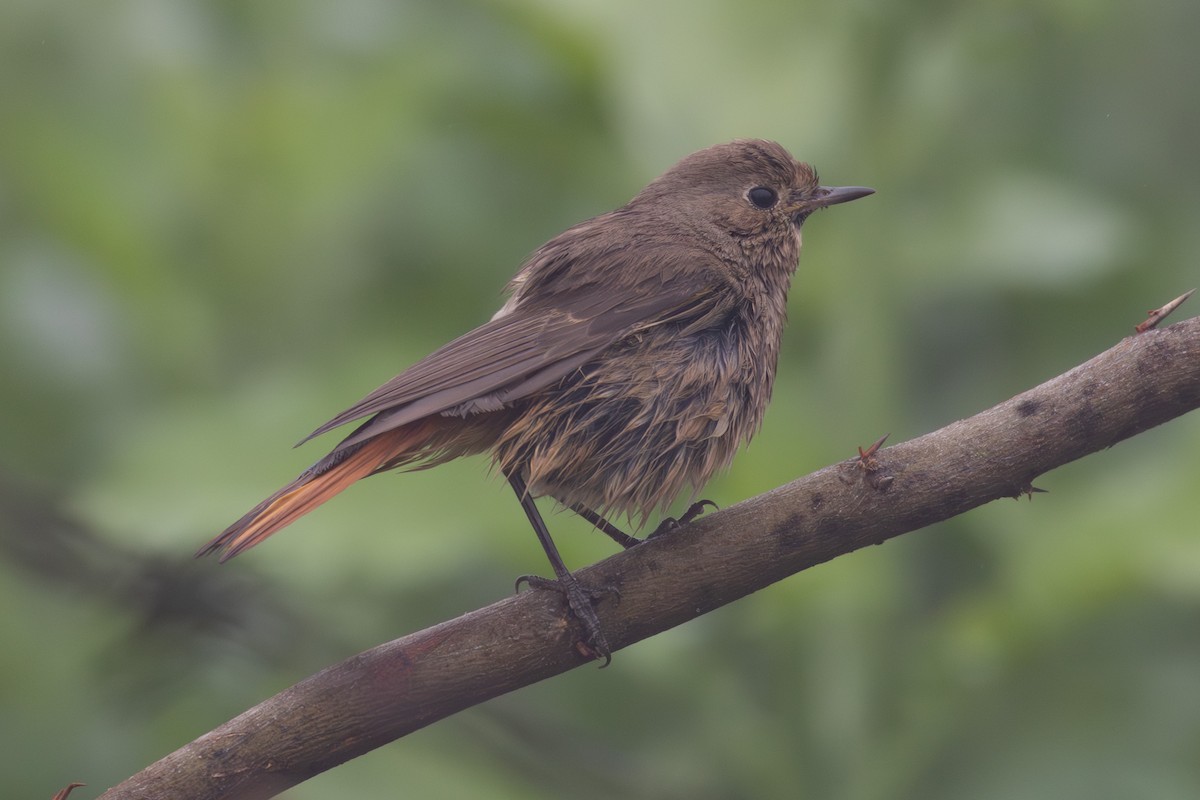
323	480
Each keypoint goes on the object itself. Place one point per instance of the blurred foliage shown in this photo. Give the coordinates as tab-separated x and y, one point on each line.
223	222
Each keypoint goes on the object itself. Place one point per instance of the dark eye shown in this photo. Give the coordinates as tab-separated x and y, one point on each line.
762	197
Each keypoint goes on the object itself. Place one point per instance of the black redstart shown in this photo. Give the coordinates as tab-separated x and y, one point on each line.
635	354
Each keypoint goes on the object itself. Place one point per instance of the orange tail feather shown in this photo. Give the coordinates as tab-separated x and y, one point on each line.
306	493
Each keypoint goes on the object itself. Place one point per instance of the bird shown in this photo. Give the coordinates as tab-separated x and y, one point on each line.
634	354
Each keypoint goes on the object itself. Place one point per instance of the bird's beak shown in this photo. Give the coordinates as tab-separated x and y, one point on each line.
832	195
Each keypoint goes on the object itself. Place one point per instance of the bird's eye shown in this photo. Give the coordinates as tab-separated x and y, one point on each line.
762	197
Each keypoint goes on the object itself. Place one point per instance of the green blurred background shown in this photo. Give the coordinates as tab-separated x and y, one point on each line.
220	223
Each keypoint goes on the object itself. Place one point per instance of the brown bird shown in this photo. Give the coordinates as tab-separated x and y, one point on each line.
635	354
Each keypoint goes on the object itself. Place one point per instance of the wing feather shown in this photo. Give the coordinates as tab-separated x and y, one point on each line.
514	355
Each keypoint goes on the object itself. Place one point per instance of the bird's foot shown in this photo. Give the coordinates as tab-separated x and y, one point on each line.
581	602
670	523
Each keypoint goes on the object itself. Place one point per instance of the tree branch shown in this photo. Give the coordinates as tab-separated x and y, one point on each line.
395	688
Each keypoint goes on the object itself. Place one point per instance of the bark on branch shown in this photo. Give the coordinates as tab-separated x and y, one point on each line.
388	691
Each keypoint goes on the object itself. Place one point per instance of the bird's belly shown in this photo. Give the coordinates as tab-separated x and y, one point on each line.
628	433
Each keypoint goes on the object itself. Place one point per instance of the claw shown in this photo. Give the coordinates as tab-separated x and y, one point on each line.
695	510
669	524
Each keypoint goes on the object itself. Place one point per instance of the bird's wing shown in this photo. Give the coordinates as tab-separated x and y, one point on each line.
523	351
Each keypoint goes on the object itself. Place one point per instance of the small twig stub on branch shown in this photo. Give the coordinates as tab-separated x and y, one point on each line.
62	793
1159	314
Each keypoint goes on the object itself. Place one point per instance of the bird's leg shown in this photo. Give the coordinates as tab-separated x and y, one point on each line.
578	600
604	526
670	523
624	539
